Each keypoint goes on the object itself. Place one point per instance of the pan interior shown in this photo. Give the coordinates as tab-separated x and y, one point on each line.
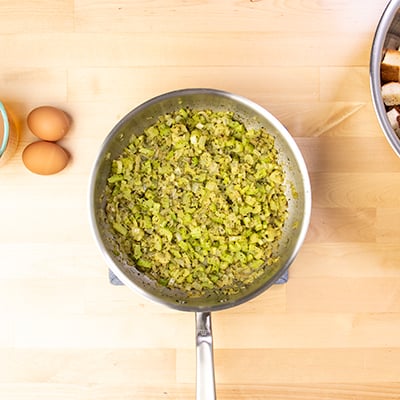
297	183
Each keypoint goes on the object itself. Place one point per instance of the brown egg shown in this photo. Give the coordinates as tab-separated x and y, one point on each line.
44	158
48	123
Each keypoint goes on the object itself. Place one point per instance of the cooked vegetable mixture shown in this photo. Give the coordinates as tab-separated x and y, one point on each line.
197	201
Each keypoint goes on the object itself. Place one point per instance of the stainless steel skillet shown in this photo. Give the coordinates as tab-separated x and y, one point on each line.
299	210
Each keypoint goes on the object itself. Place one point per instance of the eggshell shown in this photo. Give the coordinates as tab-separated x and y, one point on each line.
48	123
44	158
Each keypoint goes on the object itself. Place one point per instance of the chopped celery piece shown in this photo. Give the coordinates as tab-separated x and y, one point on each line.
120	229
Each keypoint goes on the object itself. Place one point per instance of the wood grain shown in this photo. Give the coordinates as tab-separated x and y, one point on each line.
330	333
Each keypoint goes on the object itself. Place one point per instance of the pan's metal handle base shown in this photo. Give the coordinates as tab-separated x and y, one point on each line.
205	383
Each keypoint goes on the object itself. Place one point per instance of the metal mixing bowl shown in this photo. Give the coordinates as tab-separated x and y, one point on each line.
387	35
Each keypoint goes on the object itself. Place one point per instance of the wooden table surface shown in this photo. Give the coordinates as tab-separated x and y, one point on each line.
331	332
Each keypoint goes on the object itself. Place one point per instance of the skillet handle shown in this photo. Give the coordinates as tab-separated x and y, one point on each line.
205	380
